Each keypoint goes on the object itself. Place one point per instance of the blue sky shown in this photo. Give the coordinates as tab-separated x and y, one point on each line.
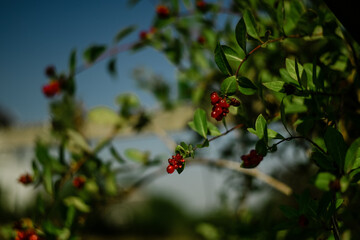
35	34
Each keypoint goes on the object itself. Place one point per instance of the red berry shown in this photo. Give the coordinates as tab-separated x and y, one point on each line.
214	114
218	110
223	103
162	11
214	97
170	169
178	157
50	71
201	6
33	237
219	118
79	182
25	179
143	35
234	102
252	159
201	40
51	89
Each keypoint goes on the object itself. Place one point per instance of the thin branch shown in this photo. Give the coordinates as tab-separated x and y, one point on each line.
302	137
262	44
276	184
224	133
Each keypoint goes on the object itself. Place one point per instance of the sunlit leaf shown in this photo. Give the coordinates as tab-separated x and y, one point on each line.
103	116
352	158
229	86
250	24
276	86
323	180
200	122
78	203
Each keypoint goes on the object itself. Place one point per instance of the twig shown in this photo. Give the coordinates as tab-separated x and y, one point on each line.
301	137
224	133
276	184
262	44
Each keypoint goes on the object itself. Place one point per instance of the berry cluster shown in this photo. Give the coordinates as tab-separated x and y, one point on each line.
25	179
144	35
28	234
79	182
175	162
220	106
201	40
51	89
252	159
163	12
202	6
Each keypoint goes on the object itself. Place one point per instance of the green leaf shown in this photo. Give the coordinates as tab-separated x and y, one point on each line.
273	134
246	86
297	72
111	67
123	33
200	122
78	203
253	131
116	155
244	82
214	131
47	179
289	212
335	145
240	34
352	158
104	116
250	24
92	53
42	153
261	147
323	161
292	68
204	144
280	15
72	62
70	216
221	61
110	184
229	86
260	126
76	142
276	86
137	155
231	54
323	180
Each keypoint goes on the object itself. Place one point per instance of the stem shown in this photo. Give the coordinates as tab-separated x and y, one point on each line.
224	133
301	137
335	227
262	44
276	184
